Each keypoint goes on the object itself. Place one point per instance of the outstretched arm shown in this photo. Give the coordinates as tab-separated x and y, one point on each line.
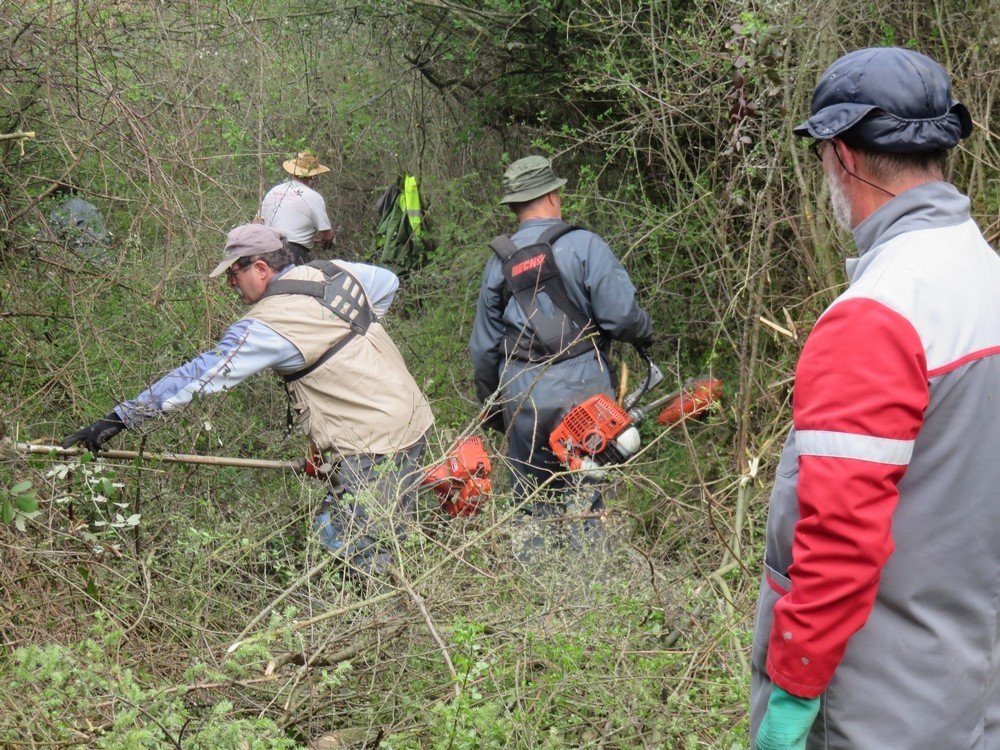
612	296
247	347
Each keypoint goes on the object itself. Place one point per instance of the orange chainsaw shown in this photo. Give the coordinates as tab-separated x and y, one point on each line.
462	479
599	432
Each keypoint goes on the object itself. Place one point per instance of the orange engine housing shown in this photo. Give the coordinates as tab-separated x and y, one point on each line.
692	402
462	479
588	431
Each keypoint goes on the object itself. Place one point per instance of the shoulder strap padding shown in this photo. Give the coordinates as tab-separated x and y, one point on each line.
556	231
504	247
341	294
528	272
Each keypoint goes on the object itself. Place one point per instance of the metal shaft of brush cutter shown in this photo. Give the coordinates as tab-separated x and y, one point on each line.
654	376
172	458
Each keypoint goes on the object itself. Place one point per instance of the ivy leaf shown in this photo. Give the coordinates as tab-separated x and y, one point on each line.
20	488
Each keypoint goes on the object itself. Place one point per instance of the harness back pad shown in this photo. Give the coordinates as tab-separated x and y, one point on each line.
341	294
529	273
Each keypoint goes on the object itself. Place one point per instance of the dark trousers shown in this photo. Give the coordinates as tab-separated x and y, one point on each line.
535	400
365	518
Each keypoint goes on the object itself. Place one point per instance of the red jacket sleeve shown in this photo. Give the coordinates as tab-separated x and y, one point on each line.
860	394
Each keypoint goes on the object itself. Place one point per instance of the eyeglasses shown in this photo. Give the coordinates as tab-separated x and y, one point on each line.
234	269
817	149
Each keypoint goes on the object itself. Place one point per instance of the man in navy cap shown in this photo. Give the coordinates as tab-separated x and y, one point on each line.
879	613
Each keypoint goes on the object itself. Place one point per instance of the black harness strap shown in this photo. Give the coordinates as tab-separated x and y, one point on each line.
529	272
286	379
323	359
341	294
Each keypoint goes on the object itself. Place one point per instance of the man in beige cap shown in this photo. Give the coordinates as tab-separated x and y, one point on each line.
318	328
296	210
540	348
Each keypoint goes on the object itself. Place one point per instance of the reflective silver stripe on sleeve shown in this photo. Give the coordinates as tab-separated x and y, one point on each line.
848	445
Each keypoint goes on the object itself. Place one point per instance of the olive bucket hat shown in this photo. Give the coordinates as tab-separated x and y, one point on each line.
529	178
887	99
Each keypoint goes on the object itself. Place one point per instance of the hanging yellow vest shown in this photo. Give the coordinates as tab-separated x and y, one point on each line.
399	237
410	203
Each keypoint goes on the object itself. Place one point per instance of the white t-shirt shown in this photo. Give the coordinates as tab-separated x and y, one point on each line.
295	210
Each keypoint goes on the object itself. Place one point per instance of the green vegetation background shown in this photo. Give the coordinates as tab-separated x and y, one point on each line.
124	586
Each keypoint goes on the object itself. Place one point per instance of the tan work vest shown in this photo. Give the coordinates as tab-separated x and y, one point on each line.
363	399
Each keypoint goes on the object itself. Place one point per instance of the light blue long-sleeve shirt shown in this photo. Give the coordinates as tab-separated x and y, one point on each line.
247	347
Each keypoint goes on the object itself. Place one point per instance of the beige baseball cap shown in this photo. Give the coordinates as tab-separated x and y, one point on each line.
245	241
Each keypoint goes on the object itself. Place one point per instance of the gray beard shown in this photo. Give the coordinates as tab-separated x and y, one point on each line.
838	202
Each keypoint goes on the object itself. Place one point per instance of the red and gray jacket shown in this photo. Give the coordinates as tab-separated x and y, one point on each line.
881	586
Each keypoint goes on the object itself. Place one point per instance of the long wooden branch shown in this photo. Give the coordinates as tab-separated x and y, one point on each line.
171	458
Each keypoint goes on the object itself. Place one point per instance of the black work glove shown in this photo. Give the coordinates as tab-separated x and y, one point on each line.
644	344
95	436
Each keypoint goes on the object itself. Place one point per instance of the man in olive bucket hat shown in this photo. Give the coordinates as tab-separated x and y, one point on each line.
537	355
878	623
296	210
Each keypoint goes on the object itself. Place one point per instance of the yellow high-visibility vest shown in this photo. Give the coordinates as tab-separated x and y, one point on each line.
409	201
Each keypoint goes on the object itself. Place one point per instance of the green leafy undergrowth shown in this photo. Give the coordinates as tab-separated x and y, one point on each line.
583	670
83	695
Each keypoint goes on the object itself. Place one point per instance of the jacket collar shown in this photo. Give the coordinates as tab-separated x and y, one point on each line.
928	206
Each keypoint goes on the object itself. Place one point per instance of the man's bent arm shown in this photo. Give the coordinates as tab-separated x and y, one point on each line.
487	333
612	296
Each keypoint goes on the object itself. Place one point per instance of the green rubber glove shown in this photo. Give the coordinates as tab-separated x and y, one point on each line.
787	721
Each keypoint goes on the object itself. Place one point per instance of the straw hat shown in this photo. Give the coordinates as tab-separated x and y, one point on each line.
304	165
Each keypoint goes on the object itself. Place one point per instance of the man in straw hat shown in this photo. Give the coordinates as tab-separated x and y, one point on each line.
296	210
318	328
878	619
538	355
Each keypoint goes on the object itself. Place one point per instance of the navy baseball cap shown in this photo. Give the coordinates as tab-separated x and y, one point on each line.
887	99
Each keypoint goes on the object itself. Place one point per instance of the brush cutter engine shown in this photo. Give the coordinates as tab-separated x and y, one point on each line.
599	432
594	434
462	479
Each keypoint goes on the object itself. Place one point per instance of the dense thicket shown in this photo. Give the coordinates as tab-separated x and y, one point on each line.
124	591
